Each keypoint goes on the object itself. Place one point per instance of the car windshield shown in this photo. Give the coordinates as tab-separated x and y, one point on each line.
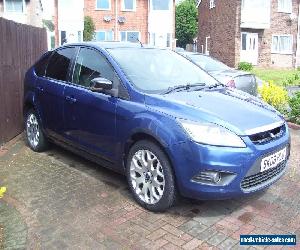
207	63
156	70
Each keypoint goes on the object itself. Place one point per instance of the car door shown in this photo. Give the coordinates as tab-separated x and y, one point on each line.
50	90
90	117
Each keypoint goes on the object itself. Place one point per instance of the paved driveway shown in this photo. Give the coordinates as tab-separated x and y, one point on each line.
57	200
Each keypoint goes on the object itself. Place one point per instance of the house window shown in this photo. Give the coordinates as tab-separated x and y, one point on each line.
103	4
128	5
130	36
212	4
244	41
285	6
14	6
160	5
282	44
104	35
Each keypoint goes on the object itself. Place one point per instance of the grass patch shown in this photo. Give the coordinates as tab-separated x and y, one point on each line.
282	77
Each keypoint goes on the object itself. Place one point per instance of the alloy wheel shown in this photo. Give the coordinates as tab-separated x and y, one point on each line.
32	129
147	176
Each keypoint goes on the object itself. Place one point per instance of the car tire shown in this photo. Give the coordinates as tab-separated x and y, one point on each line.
150	176
33	130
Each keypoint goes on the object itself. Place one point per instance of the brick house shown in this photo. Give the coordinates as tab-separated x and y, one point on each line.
263	32
151	21
22	11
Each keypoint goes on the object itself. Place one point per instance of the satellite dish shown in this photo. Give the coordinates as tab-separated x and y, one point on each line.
121	19
107	18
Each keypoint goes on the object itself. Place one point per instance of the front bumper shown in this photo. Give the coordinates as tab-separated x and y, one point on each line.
190	158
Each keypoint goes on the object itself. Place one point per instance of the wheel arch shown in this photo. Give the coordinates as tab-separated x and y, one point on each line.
29	102
27	106
145	135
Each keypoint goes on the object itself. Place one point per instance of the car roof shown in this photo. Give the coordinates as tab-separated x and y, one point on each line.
109	45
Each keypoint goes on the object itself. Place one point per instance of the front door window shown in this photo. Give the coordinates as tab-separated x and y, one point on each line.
90	65
249	48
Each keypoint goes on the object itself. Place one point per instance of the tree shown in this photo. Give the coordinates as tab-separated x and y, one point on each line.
48	24
186	22
89	29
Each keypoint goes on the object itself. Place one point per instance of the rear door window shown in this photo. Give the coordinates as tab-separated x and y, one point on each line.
91	64
59	64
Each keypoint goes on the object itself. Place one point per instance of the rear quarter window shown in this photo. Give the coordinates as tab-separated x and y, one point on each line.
41	65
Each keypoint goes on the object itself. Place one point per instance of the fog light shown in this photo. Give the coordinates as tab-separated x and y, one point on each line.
212	177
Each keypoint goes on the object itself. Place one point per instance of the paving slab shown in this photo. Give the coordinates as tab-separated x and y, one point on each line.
58	200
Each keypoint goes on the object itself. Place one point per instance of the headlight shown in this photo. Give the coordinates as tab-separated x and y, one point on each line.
212	134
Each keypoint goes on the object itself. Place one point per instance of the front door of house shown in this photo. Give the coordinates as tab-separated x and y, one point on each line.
249	47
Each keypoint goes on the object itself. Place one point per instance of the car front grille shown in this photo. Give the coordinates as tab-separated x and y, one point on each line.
268	136
256	180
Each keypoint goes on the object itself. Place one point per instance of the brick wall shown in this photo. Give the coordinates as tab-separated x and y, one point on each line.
220	23
280	24
135	20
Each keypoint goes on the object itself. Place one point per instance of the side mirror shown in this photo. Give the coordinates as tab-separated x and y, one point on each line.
99	84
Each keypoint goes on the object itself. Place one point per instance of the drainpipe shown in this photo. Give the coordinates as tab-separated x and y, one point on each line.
116	20
56	32
298	40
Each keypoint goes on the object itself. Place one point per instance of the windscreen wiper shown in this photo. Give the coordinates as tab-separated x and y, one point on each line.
183	87
218	84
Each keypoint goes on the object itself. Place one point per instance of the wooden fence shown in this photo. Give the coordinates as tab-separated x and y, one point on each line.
20	46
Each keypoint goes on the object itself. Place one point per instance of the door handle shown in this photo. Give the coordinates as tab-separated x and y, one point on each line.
40	88
71	99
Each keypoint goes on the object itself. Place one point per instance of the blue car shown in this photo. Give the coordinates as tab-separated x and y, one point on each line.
156	117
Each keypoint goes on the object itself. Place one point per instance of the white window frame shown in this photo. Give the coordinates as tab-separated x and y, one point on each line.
287	52
290	10
128	31
109	8
105	31
134	6
212	4
24	8
170	4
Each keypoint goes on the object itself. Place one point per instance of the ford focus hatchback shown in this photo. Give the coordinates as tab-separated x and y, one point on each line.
158	118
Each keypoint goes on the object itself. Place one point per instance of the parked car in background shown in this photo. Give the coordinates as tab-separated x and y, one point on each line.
230	77
156	117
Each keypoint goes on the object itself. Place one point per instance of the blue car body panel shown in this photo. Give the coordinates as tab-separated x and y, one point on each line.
102	126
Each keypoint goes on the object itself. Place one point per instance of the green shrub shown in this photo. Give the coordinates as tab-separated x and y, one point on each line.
291	80
89	29
294	103
274	95
245	66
